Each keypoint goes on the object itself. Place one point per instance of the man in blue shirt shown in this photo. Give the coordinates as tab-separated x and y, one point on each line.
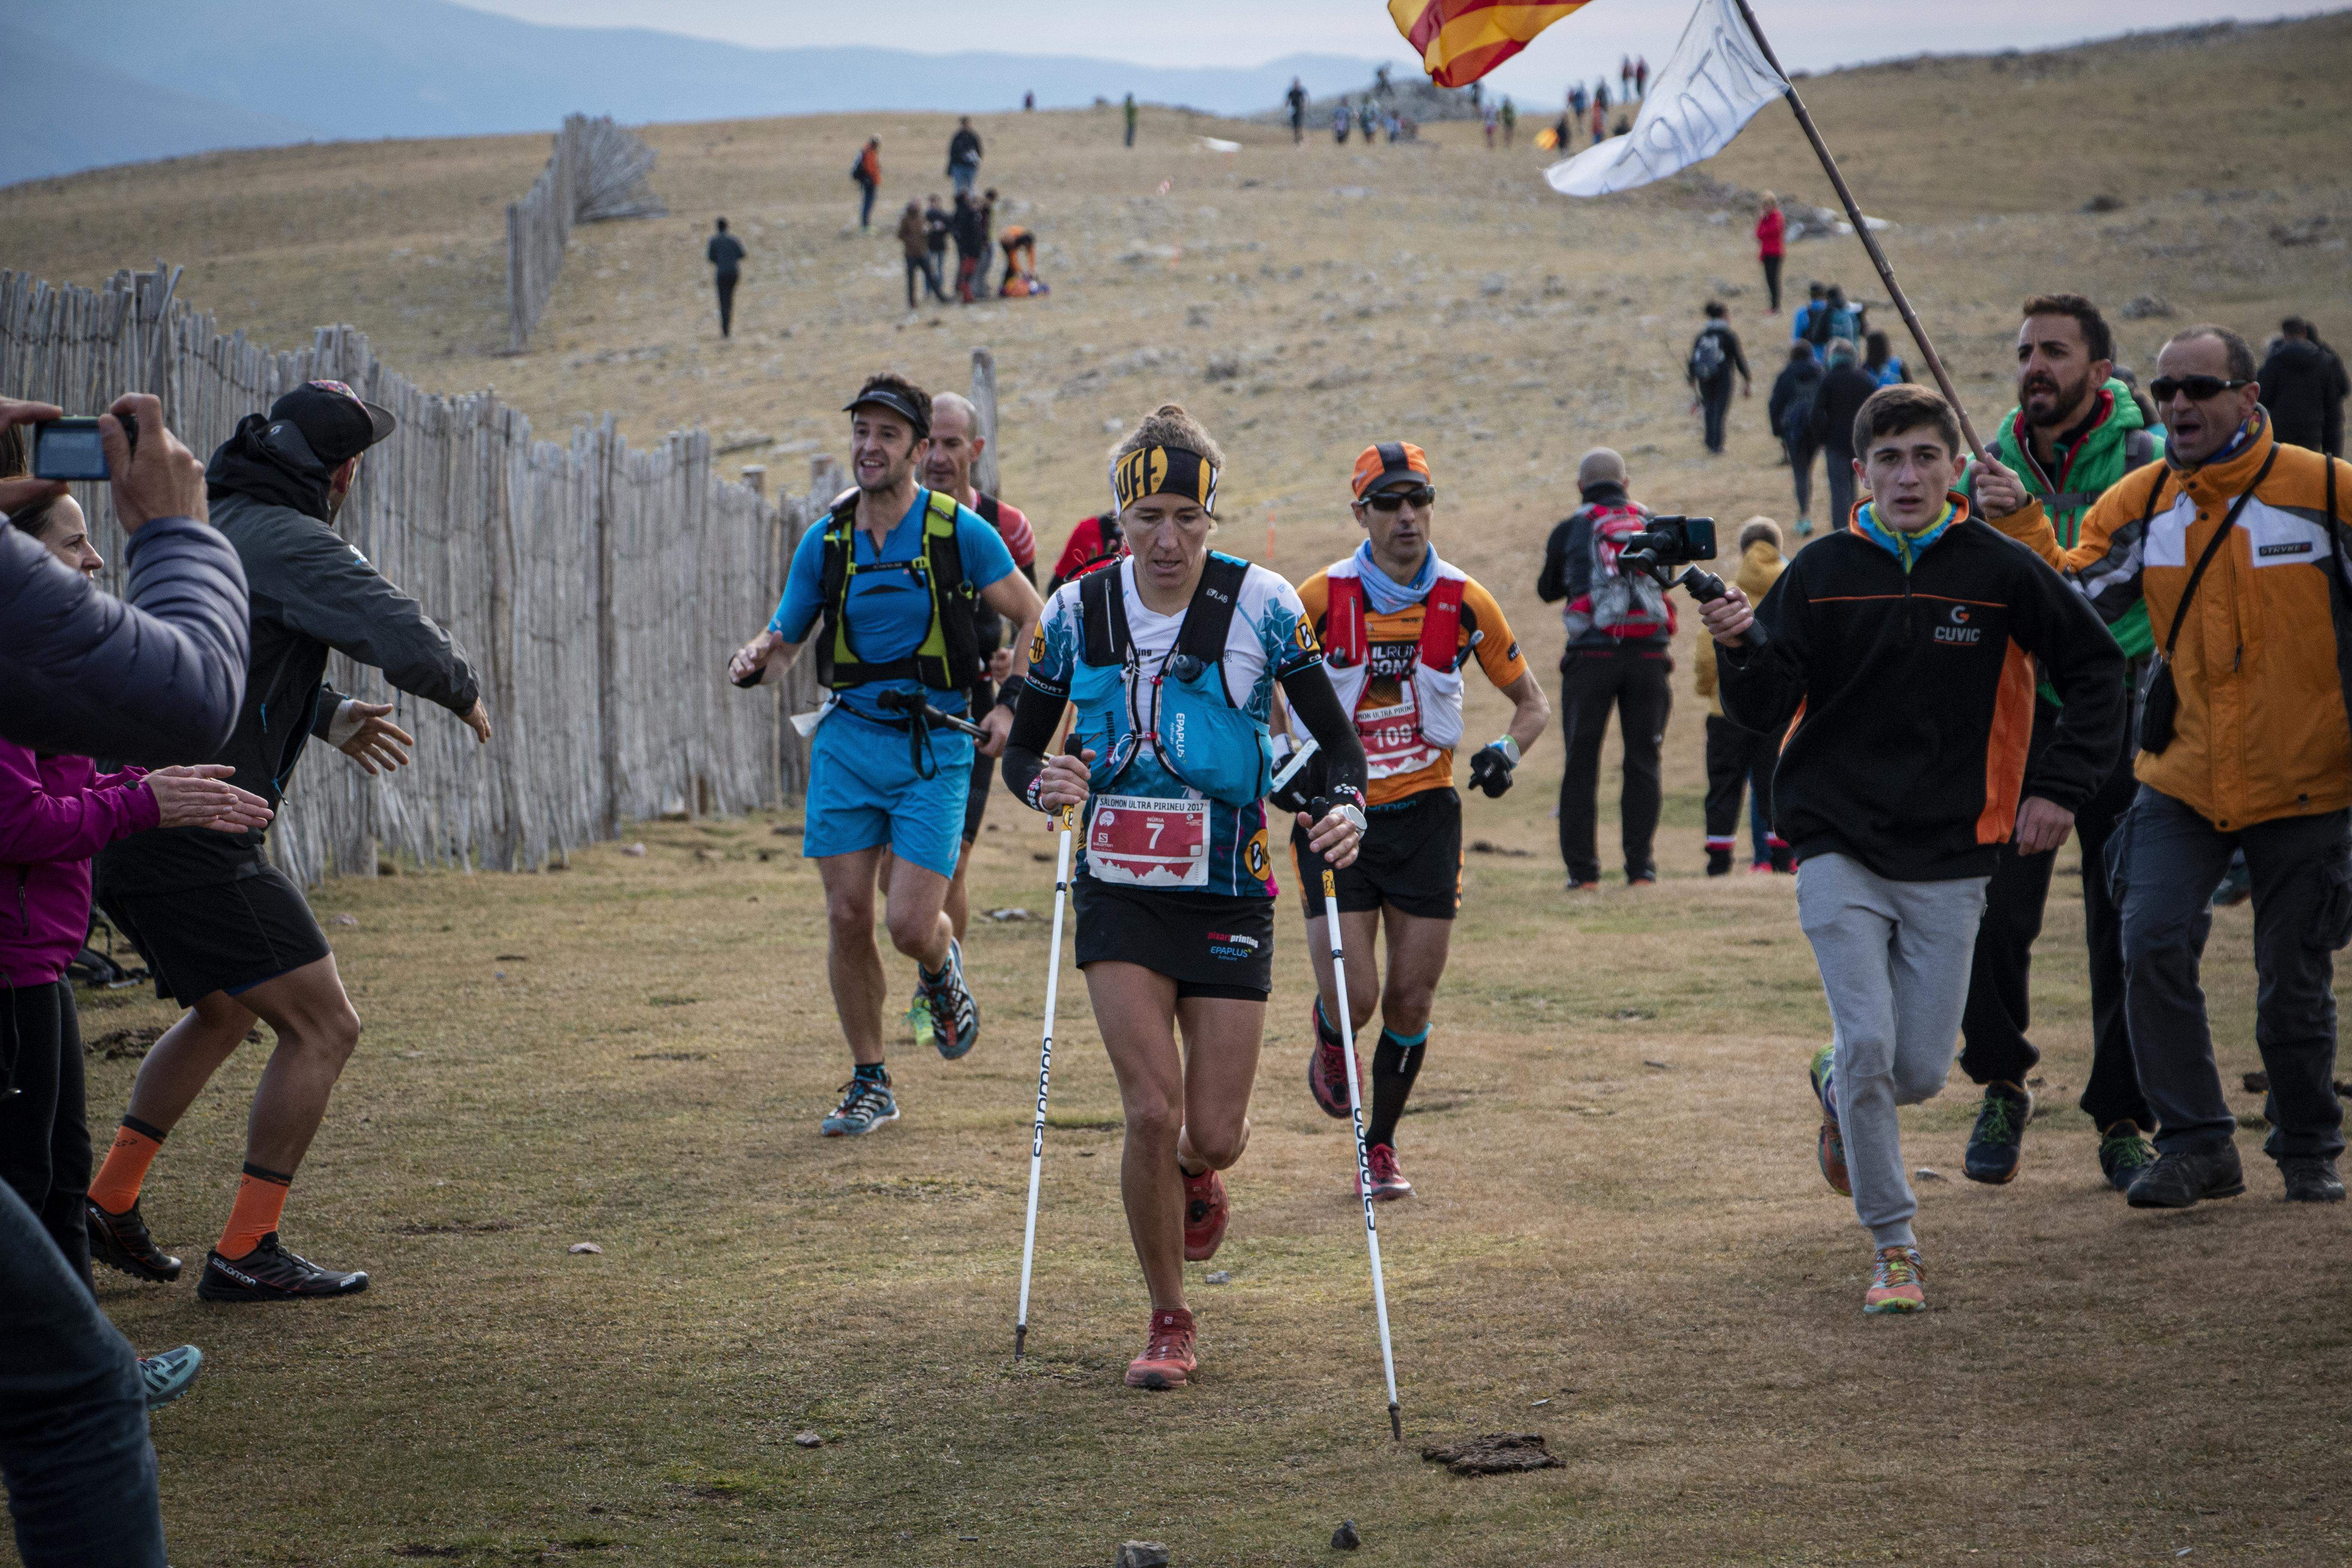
884	587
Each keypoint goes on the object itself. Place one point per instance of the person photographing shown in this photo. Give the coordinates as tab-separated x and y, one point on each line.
1901	649
1170	659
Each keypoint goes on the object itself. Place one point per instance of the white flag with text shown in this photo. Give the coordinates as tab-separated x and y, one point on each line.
1714	84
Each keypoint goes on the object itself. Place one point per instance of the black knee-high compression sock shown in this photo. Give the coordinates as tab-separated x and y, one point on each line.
1396	1062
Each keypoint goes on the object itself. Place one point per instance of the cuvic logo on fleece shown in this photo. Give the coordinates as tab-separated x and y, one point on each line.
1957	630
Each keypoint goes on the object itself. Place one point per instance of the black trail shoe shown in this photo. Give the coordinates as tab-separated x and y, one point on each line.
271	1273
2123	1154
2181	1180
121	1241
1993	1147
2311	1179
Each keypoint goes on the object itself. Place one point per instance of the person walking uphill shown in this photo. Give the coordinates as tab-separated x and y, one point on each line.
2303	386
2074	436
1398	625
1846	387
867	173
886	588
1619	625
1713	355
1737	757
228	935
2237	545
725	254
963	156
1171	659
1791	410
1127	109
1772	247
1901	647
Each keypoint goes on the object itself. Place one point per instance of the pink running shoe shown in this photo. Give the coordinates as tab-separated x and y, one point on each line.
1327	1067
1387	1180
1167	1359
1206	1210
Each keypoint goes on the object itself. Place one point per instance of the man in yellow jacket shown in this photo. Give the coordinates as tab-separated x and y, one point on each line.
2237	544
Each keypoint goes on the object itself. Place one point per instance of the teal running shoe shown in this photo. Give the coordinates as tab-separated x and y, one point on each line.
866	1103
167	1375
955	1016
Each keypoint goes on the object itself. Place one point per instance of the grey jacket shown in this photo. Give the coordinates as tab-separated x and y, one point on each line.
312	594
155	679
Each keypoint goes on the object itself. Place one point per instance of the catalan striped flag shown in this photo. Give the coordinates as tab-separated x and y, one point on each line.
1461	40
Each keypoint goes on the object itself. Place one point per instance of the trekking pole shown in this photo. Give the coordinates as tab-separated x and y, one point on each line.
1044	1069
1363	1162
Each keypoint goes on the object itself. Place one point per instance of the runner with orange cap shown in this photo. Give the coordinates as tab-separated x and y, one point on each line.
1398	625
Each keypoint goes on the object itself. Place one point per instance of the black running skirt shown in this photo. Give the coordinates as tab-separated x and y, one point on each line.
1209	943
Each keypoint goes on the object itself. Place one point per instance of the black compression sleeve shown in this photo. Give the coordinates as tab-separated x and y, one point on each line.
1033	721
1318	707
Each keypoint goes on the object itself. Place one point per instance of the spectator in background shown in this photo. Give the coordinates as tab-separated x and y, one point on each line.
1094	541
915	240
938	228
963	156
1715	353
1801	325
1342	119
1028	103
1510	120
1879	362
1619	625
1297	99
1642	77
1624	76
1488	124
2303	386
1367	119
1791	410
1599	116
1840	319
724	253
1772	247
1844	388
1128	108
867	173
82	672
1737	757
972	246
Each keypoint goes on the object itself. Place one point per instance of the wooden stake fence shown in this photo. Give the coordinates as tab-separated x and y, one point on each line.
598	589
596	172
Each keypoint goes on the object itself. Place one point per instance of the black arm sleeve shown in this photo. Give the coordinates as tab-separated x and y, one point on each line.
1762	688
1318	707
1034	721
2051	621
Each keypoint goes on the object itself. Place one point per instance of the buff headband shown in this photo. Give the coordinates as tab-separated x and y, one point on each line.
1163	471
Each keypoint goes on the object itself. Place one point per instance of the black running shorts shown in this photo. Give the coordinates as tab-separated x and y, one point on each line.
1410	860
1209	943
228	937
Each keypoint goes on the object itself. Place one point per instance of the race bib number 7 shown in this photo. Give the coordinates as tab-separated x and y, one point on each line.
1143	842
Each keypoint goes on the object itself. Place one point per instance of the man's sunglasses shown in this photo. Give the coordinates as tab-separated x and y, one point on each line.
2165	388
1389	500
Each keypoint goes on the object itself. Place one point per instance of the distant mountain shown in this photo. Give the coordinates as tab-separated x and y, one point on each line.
61	110
268	72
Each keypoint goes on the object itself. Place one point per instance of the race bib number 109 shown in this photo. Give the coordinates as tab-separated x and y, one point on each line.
1143	842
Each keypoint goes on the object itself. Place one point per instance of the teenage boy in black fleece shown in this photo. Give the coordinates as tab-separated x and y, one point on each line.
1904	649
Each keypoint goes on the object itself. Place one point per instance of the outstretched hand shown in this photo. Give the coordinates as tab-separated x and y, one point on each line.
201	796
370	738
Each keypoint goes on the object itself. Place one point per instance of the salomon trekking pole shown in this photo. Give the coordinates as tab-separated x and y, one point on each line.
1364	1164
1045	1070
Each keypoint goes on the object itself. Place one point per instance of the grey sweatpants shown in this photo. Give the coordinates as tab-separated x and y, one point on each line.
1894	959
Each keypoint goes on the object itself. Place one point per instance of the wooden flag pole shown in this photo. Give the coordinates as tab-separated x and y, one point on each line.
1869	240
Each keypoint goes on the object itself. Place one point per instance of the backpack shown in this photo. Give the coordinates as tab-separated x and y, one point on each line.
1706	357
1817	324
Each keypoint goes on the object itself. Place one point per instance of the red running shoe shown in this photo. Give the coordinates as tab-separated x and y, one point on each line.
1327	1067
1388	1181
1205	1214
1167	1359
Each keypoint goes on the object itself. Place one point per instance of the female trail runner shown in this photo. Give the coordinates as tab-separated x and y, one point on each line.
1170	658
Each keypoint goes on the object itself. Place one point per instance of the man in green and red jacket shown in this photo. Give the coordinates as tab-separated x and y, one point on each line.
2076	432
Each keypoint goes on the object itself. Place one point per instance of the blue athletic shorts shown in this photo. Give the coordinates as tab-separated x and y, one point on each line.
864	792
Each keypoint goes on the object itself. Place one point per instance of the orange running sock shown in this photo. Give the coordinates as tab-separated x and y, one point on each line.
260	1199
117	1185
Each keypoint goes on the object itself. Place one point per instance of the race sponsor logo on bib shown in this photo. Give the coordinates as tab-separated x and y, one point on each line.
1144	842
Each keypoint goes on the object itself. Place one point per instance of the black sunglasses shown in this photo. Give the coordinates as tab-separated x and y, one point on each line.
2165	388
1389	500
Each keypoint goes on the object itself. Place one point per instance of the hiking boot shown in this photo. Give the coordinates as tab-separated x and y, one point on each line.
166	1375
1718	862
2123	1154
121	1241
1206	1210
1167	1359
1830	1151
1388	1179
2182	1179
271	1273
1993	1147
954	1014
1895	1282
866	1103
2311	1179
1327	1067
919	1023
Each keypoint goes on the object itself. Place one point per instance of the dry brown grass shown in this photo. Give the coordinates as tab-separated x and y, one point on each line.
1646	1246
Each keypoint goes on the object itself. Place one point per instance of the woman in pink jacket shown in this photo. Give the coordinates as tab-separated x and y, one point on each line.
55	812
1772	247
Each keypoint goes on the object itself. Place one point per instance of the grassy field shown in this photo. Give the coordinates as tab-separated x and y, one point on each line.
1620	1240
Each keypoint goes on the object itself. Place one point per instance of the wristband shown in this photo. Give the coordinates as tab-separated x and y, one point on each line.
1509	748
1009	694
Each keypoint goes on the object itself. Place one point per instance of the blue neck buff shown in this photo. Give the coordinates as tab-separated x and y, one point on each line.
1386	594
1905	547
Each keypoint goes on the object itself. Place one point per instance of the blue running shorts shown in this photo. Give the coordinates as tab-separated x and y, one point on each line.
863	791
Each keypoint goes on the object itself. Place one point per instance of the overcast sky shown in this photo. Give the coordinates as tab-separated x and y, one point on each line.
1808	33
